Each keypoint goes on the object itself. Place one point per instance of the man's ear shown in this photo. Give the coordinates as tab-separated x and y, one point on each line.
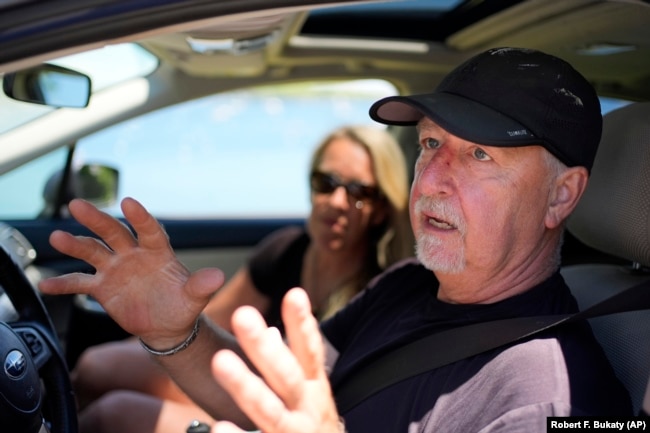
568	188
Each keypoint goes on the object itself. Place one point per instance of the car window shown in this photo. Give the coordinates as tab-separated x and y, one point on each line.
22	189
239	154
609	104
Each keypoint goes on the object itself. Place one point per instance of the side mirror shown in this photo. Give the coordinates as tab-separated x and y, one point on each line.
48	84
95	183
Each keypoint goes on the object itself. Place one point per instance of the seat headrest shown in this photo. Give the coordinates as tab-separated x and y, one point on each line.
613	216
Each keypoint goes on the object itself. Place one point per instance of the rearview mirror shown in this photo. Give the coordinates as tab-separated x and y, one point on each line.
47	84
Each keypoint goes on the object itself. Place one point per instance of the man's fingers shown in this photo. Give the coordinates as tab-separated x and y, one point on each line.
91	250
250	392
286	400
226	427
150	233
262	344
67	284
303	333
113	232
203	283
117	235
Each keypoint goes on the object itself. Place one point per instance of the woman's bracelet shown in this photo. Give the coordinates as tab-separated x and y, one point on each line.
174	350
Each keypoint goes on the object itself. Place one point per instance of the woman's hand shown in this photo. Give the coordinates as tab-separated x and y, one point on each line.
138	279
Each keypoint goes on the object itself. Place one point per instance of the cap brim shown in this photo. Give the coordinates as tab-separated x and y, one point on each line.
460	116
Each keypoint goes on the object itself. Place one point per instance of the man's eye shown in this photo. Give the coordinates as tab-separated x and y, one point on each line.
430	143
481	155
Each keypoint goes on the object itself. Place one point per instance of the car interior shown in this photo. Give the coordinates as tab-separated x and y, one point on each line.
613	217
102	66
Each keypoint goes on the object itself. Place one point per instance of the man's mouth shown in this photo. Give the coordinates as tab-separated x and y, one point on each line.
439	215
440	224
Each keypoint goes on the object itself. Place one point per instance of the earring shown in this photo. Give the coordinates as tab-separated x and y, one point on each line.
358	204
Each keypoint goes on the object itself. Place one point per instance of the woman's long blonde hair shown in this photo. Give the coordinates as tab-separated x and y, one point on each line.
393	240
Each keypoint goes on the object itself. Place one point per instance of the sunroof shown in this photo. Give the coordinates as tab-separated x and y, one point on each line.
416	20
395	6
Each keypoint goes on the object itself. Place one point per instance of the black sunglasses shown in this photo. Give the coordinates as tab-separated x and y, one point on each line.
325	183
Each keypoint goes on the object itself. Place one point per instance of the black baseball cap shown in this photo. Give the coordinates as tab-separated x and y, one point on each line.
509	97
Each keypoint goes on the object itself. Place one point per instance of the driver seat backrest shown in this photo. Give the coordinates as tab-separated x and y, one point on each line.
613	216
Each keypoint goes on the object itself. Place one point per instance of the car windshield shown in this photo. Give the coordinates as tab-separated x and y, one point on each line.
101	65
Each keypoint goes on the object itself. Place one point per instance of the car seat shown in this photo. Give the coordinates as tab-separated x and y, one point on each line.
613	216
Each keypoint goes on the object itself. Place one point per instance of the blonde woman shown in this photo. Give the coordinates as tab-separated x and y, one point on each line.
358	225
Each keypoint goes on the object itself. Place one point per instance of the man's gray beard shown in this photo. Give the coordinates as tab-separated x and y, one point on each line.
426	244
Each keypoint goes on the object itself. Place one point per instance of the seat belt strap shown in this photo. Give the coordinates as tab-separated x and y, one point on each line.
442	348
645	408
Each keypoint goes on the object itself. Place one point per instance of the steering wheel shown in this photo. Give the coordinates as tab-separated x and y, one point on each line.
35	388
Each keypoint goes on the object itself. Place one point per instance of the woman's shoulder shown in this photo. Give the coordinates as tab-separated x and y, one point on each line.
287	233
282	239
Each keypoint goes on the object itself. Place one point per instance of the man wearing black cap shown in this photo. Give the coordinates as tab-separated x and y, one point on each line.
507	141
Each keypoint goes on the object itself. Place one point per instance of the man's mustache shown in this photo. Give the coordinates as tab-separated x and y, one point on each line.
441	210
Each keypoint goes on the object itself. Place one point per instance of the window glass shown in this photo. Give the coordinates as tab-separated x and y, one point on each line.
111	64
238	154
609	104
22	189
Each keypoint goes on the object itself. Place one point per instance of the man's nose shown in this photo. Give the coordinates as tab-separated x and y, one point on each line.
437	174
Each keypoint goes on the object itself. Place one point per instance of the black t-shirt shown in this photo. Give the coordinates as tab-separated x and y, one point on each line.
561	372
275	267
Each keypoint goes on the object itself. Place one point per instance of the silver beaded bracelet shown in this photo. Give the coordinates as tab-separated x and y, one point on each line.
174	350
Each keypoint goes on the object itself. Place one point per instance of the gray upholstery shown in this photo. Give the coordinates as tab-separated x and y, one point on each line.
614	214
614	217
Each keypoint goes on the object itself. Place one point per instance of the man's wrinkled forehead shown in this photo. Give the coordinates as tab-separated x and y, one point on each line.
426	126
